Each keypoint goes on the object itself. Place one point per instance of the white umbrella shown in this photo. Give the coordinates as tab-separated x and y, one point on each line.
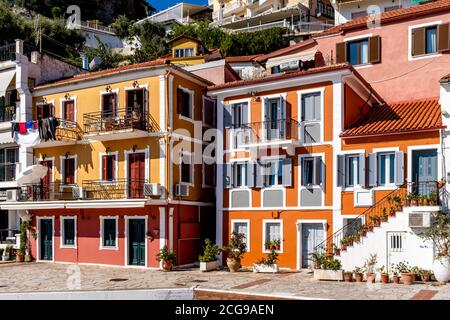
32	174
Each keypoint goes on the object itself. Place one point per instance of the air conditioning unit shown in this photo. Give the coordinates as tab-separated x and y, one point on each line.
77	193
181	190
12	195
152	189
419	219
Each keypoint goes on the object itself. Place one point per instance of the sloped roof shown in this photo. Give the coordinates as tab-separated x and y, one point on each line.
399	117
285	51
390	16
238	59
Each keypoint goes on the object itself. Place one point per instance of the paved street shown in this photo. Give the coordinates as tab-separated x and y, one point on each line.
45	277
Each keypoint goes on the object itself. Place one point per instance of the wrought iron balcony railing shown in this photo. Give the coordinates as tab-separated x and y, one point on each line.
7	113
119	119
46	192
266	131
114	189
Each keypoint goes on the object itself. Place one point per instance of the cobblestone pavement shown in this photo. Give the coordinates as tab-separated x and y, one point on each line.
34	277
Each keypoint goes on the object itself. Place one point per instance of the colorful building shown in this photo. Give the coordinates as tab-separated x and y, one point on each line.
116	191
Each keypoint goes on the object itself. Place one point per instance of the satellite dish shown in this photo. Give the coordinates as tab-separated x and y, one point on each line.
95	63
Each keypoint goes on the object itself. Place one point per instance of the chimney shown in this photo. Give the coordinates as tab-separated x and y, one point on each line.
85	61
19	46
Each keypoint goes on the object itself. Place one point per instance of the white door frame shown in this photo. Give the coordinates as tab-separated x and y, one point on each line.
299	224
38	240
126	233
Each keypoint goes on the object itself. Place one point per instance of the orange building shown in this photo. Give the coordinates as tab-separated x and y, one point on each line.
308	155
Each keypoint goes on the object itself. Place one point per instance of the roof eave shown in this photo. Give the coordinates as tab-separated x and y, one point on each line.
343	136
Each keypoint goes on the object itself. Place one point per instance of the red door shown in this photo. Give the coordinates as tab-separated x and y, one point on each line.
69	110
136	174
47	180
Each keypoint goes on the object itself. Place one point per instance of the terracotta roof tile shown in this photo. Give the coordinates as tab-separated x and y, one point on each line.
404	13
153	63
398	117
238	59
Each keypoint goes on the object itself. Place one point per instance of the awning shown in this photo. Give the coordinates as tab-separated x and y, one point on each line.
5	80
304	56
6	138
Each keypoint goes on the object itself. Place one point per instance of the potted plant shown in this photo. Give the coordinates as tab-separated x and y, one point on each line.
369	265
359	274
345	242
348	276
336	250
424	199
416	271
398	204
7	253
331	270
362	230
413	198
167	257
269	263
20	255
209	260
318	260
425	275
433	198
384	275
439	234
384	216
234	250
375	220
395	276
405	271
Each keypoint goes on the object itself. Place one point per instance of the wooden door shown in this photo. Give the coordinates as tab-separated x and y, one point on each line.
46	239
136	242
47	180
136	174
69	110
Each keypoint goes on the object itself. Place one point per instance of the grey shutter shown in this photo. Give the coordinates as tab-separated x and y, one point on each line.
308	111
259	177
341	170
227	117
227	176
399	168
317	106
287	172
362	170
250	176
318	171
373	169
245	113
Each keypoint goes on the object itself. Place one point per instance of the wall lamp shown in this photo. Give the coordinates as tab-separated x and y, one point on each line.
108	88
135	84
67	155
134	147
67	96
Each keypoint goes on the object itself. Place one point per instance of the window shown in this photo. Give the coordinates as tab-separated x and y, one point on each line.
44	111
242	227
109	232
358	52
275	70
431	40
240	174
272	231
311	115
351	226
108	167
273	173
184	103
352	166
209	174
68	176
135	103
311	171
209	112
238	114
387	9
386	168
68	232
186	167
109	104
359	14
69	110
8	161
184	52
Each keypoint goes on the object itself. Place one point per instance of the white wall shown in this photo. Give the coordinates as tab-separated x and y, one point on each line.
445	107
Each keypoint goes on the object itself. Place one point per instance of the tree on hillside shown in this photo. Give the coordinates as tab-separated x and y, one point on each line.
151	35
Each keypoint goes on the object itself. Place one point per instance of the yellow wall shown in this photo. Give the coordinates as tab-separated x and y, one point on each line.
185	43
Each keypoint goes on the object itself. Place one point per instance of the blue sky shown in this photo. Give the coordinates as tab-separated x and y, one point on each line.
164	4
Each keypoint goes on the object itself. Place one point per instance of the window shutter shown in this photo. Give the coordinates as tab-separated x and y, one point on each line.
375	49
259	177
443	35
180	98
317	107
362	170
341	170
318	170
372	169
245	114
227	117
399	168
287	172
250	176
418	41
227	176
341	52
104	167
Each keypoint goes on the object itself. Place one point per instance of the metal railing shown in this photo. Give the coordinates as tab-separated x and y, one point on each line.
8	171
7	113
8	51
67	130
46	192
234	5
308	27
278	24
114	189
8	233
267	131
120	119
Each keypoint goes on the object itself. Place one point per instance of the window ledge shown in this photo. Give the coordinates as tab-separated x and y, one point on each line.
180	117
424	56
109	248
68	247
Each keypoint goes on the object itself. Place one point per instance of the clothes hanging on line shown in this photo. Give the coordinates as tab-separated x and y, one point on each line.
22	128
47	128
29	124
14	128
28	140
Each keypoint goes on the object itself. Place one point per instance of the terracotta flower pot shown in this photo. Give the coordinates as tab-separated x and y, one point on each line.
376	223
233	264
384	218
358	277
392	213
370	277
343	248
363	233
337	252
396	279
408	278
384	278
167	265
425	277
348	277
20	258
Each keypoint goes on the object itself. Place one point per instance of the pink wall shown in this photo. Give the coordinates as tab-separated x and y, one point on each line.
396	78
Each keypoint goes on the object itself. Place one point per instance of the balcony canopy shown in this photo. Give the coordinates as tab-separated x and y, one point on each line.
6	77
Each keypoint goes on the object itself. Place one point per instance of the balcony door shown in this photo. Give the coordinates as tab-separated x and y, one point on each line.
135	106
47	180
136	174
424	171
274	119
109	105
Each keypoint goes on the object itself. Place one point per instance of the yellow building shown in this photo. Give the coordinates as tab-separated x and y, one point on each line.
115	191
188	51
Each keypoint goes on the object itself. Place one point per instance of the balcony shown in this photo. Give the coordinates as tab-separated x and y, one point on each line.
278	24
233	7
113	189
118	124
8	51
311	27
324	10
67	133
281	132
45	192
7	113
